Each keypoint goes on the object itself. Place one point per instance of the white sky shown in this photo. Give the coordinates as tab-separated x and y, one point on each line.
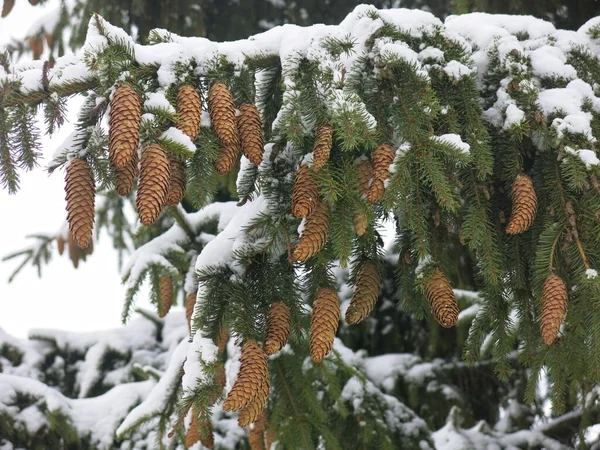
86	299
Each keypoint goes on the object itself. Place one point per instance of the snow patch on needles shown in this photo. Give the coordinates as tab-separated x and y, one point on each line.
201	351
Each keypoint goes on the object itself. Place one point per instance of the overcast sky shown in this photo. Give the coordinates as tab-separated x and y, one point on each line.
88	298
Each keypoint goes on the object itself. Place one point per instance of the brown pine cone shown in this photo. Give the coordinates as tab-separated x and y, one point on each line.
124	125
126	175
251	133
324	323
60	244
253	373
366	291
200	429
80	195
190	303
360	224
222	115
306	192
7	7
322	146
524	206
192	434
270	436
166	295
441	299
382	157
256	433
155	173
189	110
177	181
365	175
226	159
278	328
252	410
554	307
315	233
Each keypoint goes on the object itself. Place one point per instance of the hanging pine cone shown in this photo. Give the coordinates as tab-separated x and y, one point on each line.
226	159
155	173
360	224
252	410
441	299
306	193
324	323
270	435
192	434
554	307
382	157
256	433
166	295
124	125
315	233
75	252
222	115
251	134
80	195
524	206
177	181
278	328
189	110
190	303
60	244
126	175
253	373
366	291
7	7
322	146
365	175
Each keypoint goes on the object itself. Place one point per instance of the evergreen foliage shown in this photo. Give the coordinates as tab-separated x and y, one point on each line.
467	107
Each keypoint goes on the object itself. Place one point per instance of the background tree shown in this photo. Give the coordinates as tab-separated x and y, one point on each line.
496	225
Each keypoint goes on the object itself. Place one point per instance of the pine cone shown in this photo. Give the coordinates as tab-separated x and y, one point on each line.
192	434
365	175
222	115
554	307
278	328
190	303
360	224
306	193
382	157
177	181
253	373
166	295
256	433
155	173
189	110
251	134
126	175
124	125
226	159
76	253
322	147
7	7
441	299
524	206
315	233
81	193
252	410
324	323
60	244
366	291
270	436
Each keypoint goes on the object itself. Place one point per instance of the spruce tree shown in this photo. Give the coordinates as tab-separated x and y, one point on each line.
475	137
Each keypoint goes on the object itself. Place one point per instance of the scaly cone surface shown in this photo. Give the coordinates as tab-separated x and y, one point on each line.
126	175
554	307
524	206
222	115
366	291
278	328
365	176
80	195
166	295
314	236
322	146
324	323
226	159
382	157
441	299
155	175
251	133
189	110
253	373
124	125
190	303
177	181
305	194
